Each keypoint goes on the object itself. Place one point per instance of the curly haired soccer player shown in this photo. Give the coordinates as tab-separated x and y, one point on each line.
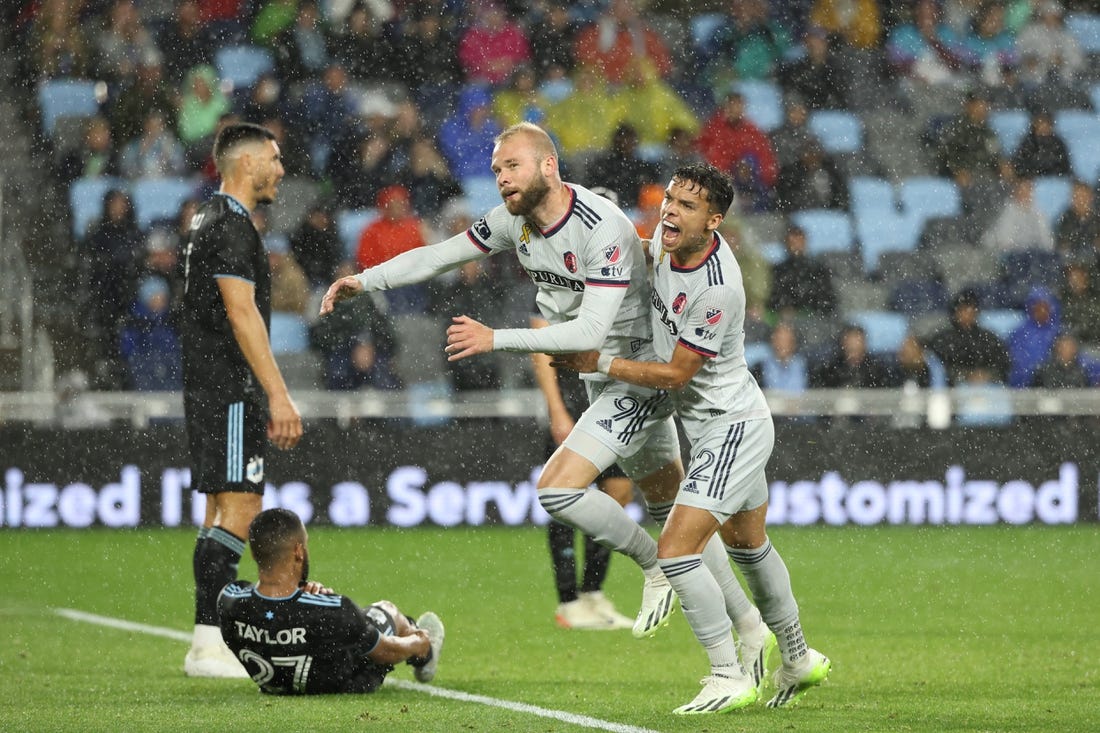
698	311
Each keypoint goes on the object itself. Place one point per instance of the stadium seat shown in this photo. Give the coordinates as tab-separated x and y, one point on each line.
885	330
839	131
756	352
929	197
886	232
1085	27
69	98
826	230
349	225
773	252
1001	321
241	66
1080	129
481	194
289	333
763	103
158	199
870	194
1052	196
1010	126
703	27
86	201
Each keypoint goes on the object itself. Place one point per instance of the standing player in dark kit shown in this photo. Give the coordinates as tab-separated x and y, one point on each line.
298	637
228	370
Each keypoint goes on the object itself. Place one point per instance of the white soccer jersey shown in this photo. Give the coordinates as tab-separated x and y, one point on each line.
593	246
703	309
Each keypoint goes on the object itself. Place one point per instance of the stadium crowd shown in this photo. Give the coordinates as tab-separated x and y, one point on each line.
961	248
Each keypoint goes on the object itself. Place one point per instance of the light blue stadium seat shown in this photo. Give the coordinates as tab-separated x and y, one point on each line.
763	103
1010	126
243	65
756	352
66	97
349	225
703	27
1085	27
86	201
886	231
885	330
838	130
289	333
1001	321
826	230
928	197
482	194
870	194
160	198
1080	129
1052	195
773	252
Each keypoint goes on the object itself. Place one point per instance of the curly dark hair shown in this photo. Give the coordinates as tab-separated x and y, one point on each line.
717	185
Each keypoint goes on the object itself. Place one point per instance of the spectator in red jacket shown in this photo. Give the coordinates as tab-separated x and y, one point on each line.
493	46
397	230
729	138
614	42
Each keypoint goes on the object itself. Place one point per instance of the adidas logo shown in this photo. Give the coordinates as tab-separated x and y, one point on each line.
605	424
690	488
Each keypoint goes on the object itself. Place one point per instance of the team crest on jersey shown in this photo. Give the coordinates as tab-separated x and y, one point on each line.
713	315
678	303
612	254
254	472
570	261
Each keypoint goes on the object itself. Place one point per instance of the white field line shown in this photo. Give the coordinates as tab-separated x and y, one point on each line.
583	721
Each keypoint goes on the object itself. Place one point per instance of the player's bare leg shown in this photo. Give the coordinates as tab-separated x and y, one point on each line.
218	551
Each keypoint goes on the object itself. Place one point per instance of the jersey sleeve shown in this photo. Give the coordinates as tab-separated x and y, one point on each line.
493	232
708	319
359	628
420	264
232	241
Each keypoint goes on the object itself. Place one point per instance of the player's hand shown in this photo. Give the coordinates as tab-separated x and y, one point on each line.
284	428
466	337
312	586
342	289
582	361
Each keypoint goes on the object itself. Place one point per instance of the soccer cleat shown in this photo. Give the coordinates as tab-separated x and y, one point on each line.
213	661
754	654
602	606
790	685
720	695
658	603
579	614
430	623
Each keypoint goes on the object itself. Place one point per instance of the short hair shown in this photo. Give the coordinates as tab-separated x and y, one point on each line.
271	535
236	134
718	185
544	146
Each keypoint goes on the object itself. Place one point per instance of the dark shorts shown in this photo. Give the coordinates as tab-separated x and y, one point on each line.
369	675
227	441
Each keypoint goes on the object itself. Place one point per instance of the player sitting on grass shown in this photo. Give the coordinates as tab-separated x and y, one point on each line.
295	636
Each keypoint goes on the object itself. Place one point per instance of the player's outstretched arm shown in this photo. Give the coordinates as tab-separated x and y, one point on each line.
342	289
655	374
396	649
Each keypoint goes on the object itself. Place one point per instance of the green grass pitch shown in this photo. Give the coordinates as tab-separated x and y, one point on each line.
933	629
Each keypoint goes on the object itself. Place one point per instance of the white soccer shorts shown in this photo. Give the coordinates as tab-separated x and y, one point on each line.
726	472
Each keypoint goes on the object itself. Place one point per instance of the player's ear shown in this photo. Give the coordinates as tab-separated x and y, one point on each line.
715	221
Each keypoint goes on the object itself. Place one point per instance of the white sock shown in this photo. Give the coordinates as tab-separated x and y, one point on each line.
599	516
701	601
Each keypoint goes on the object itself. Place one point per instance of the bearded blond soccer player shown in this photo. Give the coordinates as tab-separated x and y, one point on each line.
587	261
698	312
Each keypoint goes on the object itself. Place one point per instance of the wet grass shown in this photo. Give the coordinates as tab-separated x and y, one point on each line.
941	629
